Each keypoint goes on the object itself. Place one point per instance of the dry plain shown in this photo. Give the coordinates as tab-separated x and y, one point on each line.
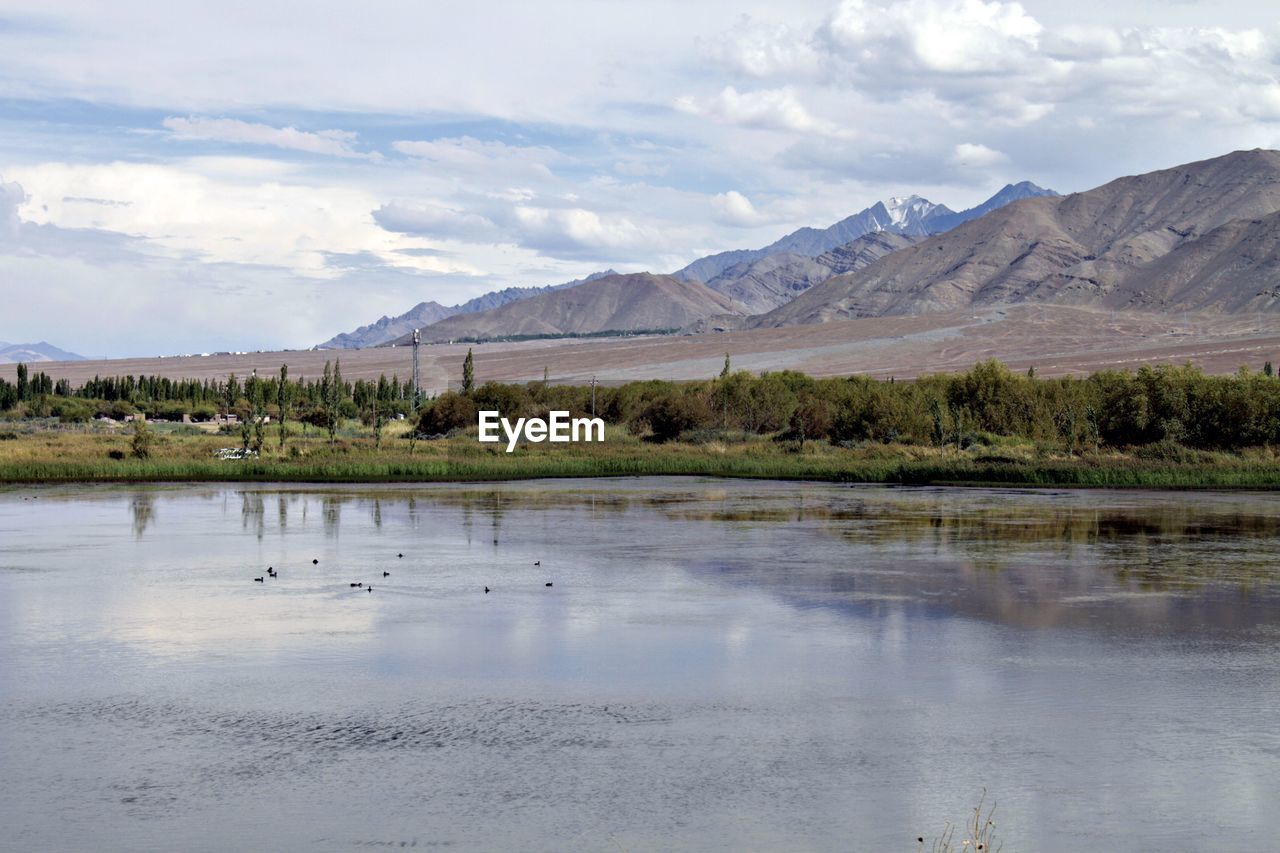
1056	340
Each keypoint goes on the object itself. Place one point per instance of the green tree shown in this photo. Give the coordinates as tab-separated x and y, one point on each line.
724	372
1267	370
142	438
24	387
284	397
446	413
468	373
333	400
259	417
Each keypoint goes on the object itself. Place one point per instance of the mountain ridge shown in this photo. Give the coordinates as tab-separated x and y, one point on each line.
423	314
35	353
623	303
1085	248
911	216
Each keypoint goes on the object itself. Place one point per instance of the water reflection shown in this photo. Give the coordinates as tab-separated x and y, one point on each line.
143	506
718	666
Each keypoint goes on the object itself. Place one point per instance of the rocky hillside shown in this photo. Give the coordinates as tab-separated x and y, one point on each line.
912	216
774	280
389	329
1098	247
623	303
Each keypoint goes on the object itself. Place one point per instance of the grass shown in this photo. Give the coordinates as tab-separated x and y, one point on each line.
45	453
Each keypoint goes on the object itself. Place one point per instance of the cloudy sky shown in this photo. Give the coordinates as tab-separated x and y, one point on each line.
187	177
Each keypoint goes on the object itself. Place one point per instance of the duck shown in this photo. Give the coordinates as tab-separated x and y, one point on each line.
401	556
486	590
369	588
548	583
386	574
538	563
257	580
315	562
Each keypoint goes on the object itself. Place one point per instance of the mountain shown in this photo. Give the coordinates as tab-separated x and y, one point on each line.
1233	268
775	279
30	353
390	328
911	216
623	303
425	313
1007	195
1097	247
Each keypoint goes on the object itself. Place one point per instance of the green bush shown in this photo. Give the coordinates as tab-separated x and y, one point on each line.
448	412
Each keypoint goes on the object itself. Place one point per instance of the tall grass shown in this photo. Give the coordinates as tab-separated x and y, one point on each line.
42	457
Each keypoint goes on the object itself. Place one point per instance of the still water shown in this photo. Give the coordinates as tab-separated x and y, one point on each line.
718	666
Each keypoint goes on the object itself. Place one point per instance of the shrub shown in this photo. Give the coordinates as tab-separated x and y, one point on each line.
448	412
142	439
676	413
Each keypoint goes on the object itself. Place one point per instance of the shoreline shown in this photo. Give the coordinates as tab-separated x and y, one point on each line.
959	474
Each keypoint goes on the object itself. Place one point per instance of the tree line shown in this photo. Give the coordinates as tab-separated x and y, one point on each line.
1171	405
323	401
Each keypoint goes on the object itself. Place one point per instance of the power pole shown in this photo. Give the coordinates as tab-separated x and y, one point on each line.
417	385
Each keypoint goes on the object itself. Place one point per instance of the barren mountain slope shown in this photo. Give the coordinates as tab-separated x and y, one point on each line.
775	280
1233	268
1077	249
641	301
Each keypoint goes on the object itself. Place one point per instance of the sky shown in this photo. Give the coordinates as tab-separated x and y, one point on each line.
208	176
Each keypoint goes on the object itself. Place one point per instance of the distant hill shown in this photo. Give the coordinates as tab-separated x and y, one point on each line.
32	353
1199	235
423	314
621	303
912	216
774	280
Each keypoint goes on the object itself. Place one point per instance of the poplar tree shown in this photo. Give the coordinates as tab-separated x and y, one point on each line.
259	417
283	395
326	396
334	403
468	373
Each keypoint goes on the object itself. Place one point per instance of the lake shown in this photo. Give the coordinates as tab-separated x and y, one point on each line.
718	665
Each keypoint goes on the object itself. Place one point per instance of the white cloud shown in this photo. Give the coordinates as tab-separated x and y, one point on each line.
762	50
977	156
576	232
733	208
768	109
11	196
182	213
470	155
435	221
944	36
335	143
641	168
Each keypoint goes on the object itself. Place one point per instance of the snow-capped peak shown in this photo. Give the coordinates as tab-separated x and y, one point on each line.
905	210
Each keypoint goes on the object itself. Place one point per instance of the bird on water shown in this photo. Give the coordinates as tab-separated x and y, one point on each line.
400	556
259	580
315	562
386	574
486	590
548	583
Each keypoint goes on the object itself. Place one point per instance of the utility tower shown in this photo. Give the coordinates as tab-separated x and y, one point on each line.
417	376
